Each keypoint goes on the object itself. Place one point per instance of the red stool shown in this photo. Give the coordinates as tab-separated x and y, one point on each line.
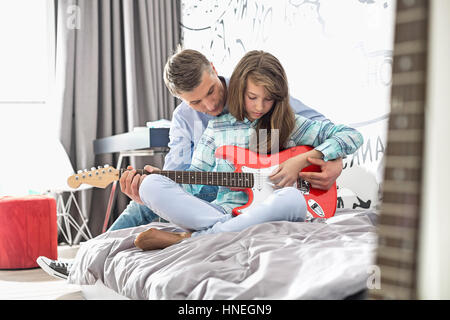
28	230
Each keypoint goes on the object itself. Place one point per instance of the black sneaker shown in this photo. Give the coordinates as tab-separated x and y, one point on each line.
54	268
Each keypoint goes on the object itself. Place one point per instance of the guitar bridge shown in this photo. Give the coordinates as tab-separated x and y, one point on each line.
304	186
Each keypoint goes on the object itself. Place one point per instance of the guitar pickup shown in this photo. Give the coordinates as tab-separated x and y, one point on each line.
304	186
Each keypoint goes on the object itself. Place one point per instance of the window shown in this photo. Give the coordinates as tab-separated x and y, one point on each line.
24	61
26	77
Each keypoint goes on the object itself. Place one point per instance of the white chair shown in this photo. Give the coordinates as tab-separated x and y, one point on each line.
58	190
66	220
54	167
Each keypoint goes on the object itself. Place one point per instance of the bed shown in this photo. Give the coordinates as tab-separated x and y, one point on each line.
319	259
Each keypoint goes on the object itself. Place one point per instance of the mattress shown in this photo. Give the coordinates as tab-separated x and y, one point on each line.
320	259
99	291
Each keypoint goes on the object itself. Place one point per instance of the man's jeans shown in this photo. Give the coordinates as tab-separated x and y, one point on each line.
136	214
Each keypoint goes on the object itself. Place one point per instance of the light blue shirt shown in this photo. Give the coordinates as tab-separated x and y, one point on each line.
188	126
334	141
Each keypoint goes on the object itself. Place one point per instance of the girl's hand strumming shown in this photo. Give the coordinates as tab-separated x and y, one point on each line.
287	172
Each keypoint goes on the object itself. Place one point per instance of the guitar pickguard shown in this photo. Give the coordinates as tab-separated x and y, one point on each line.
263	187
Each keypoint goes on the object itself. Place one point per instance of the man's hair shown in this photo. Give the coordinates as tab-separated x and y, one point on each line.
183	70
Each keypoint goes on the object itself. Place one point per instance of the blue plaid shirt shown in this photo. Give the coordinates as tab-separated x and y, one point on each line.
334	141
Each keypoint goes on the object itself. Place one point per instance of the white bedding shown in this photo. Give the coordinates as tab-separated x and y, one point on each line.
323	259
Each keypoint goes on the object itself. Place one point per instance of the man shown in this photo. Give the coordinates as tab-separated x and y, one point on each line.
191	77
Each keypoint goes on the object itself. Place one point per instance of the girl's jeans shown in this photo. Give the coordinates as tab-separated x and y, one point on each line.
136	214
172	203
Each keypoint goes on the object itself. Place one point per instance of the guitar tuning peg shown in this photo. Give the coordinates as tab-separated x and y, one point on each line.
93	168
106	166
85	170
79	171
99	167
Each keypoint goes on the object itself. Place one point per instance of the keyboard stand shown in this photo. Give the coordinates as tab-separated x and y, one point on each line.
122	154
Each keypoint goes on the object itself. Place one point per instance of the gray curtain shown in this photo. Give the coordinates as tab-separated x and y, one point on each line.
110	56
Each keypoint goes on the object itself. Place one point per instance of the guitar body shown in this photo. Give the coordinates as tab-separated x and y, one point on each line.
320	203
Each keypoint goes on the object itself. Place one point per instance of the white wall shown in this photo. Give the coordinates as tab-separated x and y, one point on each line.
337	55
434	266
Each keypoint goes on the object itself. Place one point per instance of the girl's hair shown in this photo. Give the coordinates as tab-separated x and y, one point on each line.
266	70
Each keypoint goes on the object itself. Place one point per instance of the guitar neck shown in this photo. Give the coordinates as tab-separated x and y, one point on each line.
102	177
398	224
225	179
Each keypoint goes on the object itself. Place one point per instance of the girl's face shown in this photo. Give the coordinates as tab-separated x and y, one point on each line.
257	101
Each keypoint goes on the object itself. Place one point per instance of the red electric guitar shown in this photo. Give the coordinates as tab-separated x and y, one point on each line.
251	176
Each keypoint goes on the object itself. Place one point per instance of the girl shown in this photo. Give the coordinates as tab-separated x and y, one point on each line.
259	118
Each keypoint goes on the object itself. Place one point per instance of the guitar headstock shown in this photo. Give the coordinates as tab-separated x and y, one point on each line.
99	177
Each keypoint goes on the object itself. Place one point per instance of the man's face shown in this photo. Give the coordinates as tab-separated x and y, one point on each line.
208	97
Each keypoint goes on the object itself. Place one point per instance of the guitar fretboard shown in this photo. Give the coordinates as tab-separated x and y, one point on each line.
226	179
398	223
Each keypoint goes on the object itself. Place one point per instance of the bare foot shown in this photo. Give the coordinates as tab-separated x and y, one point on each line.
152	239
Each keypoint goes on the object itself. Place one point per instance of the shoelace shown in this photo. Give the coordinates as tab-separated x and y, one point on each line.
62	267
59	264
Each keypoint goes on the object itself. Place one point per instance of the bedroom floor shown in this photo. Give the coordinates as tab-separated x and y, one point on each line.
36	284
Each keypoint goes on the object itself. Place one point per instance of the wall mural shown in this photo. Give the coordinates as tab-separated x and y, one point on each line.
338	59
